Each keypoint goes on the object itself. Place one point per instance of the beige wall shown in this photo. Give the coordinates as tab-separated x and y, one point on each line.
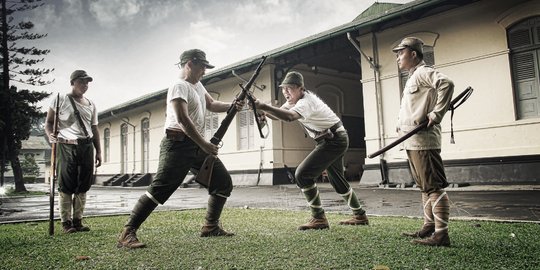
470	47
286	143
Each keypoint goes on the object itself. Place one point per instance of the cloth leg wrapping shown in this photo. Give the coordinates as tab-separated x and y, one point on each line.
66	203
428	211
312	196
353	203
441	209
79	202
215	207
141	211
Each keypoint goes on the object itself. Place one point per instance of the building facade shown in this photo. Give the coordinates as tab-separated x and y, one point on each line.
491	45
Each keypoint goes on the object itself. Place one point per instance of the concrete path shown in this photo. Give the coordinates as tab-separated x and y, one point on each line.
507	203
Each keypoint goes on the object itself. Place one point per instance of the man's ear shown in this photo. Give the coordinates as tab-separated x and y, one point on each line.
414	54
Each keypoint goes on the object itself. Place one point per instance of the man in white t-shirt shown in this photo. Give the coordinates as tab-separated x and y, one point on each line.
77	137
325	127
183	148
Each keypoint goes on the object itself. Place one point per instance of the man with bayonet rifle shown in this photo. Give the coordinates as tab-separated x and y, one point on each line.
184	148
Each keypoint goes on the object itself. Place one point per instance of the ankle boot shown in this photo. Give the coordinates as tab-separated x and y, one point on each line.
316	223
67	227
437	239
356	220
426	231
211	230
128	239
77	224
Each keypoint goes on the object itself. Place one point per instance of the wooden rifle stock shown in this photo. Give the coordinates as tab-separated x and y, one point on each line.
458	100
205	173
54	173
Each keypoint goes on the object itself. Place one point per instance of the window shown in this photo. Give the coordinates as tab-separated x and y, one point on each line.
123	148
429	58
106	145
246	125
145	139
524	44
211	124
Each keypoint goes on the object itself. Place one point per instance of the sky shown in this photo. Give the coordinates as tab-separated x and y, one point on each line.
130	47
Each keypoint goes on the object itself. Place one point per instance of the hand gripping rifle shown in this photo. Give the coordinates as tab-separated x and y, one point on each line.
205	173
54	174
456	102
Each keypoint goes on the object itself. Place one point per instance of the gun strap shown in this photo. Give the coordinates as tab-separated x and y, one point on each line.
453	108
78	115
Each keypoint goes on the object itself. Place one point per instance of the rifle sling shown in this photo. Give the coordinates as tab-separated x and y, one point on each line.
78	115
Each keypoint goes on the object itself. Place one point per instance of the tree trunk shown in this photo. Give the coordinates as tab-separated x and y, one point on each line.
13	155
17	174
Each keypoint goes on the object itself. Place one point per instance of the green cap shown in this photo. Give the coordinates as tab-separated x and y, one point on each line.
194	55
293	77
80	74
413	43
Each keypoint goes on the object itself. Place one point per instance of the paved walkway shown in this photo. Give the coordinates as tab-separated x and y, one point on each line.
506	203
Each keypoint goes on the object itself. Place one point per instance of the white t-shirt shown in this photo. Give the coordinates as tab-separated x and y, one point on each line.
316	115
194	95
68	124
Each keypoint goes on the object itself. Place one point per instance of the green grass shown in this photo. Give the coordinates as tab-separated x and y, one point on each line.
268	239
10	192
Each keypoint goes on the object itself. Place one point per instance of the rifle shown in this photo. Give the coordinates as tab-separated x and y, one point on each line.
205	173
458	100
54	174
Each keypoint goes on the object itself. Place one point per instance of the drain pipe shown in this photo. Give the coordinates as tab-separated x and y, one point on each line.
373	62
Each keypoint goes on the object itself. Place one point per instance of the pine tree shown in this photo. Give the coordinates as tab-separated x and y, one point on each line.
18	107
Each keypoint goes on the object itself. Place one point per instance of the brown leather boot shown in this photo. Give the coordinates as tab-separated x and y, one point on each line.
437	239
67	227
211	230
426	231
356	220
77	224
315	224
128	239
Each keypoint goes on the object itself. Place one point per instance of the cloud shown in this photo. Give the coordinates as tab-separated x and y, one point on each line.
111	13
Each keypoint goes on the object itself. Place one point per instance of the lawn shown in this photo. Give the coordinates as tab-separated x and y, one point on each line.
268	239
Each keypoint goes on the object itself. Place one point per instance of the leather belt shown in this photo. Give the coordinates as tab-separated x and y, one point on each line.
76	141
336	126
175	135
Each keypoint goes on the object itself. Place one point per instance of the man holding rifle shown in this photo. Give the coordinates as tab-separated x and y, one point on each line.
426	97
325	127
77	137
183	148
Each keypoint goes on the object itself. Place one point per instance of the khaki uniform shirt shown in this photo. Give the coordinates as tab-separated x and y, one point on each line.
427	93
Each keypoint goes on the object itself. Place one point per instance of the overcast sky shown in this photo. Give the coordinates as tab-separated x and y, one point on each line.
129	47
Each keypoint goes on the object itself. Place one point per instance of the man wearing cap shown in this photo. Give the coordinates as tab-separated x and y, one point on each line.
77	137
426	97
183	148
325	127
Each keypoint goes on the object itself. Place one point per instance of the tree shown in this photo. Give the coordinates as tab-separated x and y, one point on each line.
18	108
29	166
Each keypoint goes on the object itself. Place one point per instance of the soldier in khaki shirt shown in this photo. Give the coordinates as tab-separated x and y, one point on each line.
426	97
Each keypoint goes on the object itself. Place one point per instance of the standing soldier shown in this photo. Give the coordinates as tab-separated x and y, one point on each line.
426	97
77	137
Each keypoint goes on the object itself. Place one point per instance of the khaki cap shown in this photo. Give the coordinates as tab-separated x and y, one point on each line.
194	55
293	77
413	43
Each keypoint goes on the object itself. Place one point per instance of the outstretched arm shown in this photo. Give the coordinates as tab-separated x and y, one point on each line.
275	113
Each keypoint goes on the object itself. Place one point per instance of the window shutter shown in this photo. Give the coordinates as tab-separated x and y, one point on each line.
524	41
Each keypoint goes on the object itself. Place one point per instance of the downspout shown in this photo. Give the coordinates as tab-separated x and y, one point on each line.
373	62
